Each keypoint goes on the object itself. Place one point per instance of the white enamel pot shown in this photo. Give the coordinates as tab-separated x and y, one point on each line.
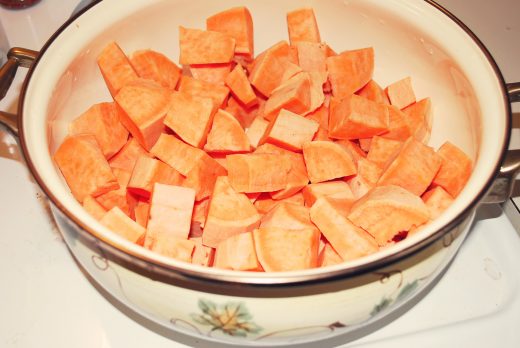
471	108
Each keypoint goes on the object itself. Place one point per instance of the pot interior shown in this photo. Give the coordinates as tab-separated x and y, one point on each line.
410	38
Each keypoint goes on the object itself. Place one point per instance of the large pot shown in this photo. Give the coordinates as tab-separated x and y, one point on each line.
411	38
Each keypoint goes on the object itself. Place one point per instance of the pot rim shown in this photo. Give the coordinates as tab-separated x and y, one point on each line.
198	274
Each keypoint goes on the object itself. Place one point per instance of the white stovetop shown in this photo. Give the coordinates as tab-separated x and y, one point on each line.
46	300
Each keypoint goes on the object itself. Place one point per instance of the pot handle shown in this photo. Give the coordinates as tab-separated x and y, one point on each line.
16	57
503	186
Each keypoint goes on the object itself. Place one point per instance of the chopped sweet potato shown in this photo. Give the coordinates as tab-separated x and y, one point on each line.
437	200
244	115
125	159
211	73
179	249
156	66
93	207
257	172
415	160
237	23
229	213
398	128
368	173
288	216
348	240
257	130
148	171
336	188
179	155
84	167
204	89
205	47
240	87
302	26
190	118
455	169
353	148
355	117
281	250
328	256
264	203
103	121
374	92
400	93
269	68
383	150
326	160
202	255
350	71
200	211
115	68
237	252
144	104
203	175
312	57
226	135
387	210
418	117
120	223
120	197
294	95
142	213
290	130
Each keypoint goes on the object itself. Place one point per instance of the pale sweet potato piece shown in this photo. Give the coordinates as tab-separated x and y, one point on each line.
418	117
103	121
400	93
204	89
190	118
264	203
156	66
383	150
171	208
455	169
148	171
204	47
144	104
291	70
84	167
125	159
328	256
115	68
203	175
202	255
348	240
257	172
229	213
240	87
294	95
269	68
312	57
398	128
302	26
120	197
368	173
257	130
350	71
226	135
93	207
290	130
142	213
335	188
437	200
118	222
200	211
374	92
281	250
176	248
179	155
387	210
244	115
288	216
326	160
237	23
320	115
211	73
415	160
238	253
353	148
355	117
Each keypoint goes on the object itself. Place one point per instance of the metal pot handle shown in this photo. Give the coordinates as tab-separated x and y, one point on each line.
503	186
16	57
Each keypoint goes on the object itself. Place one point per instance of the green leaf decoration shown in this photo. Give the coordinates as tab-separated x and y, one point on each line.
385	302
407	290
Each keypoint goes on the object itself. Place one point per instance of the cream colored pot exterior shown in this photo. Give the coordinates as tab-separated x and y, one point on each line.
410	38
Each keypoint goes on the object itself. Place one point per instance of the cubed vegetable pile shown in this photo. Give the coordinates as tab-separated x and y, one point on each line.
291	159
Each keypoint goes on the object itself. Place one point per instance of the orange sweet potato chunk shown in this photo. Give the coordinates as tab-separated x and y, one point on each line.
244	115
398	127
229	213
226	135
202	255
328	256
373	91
200	211
156	66
84	167
204	47
413	169
383	150
238	253
120	197
179	155
348	240
148	171
290	130
350	71
257	172
353	148
142	213
368	173
125	159
287	216
120	223
269	68
326	160
355	117
93	207
171	208
387	210
211	73
240	87
312	57
179	249
115	68
294	95
455	169
264	202
279	249
256	131
400	93
203	175
190	117
144	104
302	26
204	89
335	188
237	23
297	177
103	121
418	117
437	200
